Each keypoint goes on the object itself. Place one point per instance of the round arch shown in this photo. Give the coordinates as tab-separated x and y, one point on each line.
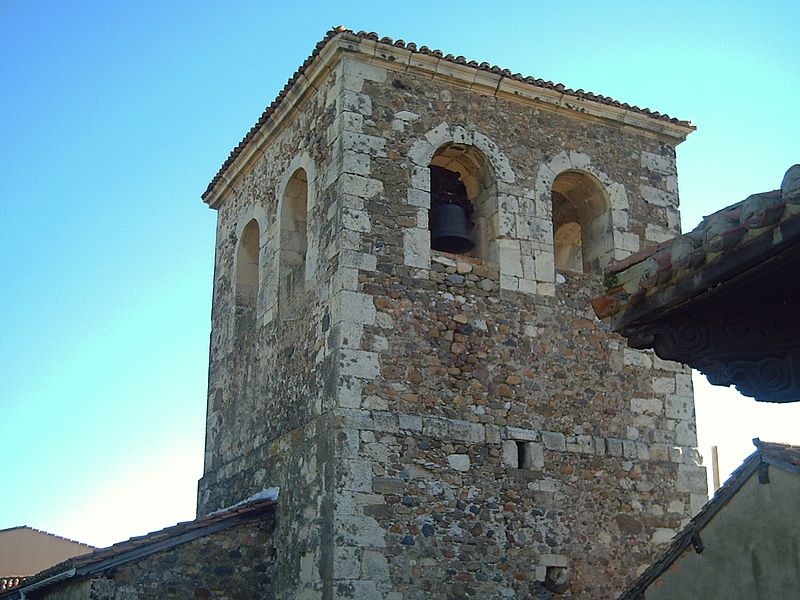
582	227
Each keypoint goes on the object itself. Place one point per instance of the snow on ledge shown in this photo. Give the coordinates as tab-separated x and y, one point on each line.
270	493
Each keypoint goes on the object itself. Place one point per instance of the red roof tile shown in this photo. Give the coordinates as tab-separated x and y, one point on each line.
769	220
484	66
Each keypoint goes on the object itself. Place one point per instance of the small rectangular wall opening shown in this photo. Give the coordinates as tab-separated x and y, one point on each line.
523	456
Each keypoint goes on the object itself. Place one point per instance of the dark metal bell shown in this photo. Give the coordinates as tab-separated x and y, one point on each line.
449	229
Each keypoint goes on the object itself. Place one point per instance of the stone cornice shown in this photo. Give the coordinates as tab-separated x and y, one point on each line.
401	57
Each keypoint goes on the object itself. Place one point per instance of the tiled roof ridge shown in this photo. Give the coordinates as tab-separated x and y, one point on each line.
60	537
100	555
251	507
411	46
8	582
765	445
788	453
717	234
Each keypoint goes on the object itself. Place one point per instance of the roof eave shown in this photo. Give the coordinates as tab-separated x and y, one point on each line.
492	81
273	123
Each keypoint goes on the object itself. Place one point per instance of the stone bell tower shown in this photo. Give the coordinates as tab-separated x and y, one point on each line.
443	424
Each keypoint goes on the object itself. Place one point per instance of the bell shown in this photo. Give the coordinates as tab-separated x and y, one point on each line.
449	229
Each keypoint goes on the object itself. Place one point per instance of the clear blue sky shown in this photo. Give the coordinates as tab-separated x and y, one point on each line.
113	118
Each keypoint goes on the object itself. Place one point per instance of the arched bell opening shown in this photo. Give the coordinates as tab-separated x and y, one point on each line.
246	282
463	201
582	236
293	245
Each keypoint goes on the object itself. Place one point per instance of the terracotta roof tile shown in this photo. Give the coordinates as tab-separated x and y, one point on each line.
767	220
6	583
483	66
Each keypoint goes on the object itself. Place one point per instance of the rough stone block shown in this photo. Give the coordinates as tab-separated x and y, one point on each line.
357	260
352	307
683	385
658	197
545	267
685	433
359	531
509	282
385	421
517	433
416	247
361	187
459	462
535	453
691	478
419	198
642	451
435	427
388	485
629	449
554	441
651	406
356	220
510	454
359	363
668	365
374	566
527	286
356	163
346	564
466	432
510	257
662	535
636	358
355	475
657	163
355	72
410	422
553	560
664	385
348	393
439	135
421	153
585	444
627	241
658	233
599	446
363	143
356	102
659	452
679	407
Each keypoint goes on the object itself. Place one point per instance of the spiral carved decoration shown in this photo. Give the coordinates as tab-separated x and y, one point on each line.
737	349
681	339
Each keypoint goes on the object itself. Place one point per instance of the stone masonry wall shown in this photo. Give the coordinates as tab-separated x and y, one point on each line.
472	357
394	413
268	381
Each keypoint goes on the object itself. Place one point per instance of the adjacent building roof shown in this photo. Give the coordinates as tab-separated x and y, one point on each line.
25	550
723	297
344	33
138	547
783	456
45	533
